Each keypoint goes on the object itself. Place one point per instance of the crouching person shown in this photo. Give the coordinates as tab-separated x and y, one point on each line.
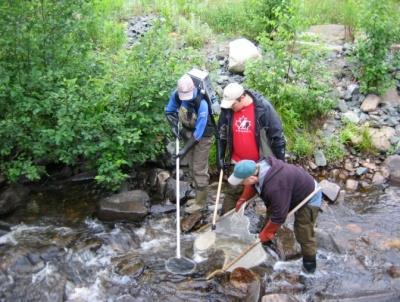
282	187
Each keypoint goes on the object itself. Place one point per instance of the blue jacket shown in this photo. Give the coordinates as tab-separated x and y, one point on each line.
194	117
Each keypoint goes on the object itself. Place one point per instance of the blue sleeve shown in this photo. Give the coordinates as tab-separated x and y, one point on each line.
201	122
172	105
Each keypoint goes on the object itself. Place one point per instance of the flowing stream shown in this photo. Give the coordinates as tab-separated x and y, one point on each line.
58	251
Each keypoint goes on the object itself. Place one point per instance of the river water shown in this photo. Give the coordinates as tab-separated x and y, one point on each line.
58	251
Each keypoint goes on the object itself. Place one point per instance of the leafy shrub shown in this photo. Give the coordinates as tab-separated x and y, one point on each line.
292	77
378	23
333	149
357	137
193	31
302	145
66	100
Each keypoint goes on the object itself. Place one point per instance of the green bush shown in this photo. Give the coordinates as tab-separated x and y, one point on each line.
302	145
293	77
333	149
357	137
378	24
66	99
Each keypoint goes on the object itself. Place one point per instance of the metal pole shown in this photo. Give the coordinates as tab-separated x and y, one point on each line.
178	214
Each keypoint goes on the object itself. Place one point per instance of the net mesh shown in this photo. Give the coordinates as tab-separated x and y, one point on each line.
232	235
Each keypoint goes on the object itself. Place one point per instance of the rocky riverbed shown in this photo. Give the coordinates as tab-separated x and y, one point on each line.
68	240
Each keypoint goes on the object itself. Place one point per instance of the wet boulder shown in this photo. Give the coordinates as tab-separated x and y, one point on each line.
394	271
170	190
12	198
162	209
330	190
190	221
247	282
279	298
128	265
286	244
393	164
126	206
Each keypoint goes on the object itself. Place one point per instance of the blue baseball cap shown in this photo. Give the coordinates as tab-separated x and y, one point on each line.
242	170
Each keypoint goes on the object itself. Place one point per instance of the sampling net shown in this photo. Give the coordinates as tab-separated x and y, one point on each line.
233	237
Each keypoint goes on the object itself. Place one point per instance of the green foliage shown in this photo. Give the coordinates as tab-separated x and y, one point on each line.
330	11
333	148
377	22
358	137
292	77
66	100
193	31
302	145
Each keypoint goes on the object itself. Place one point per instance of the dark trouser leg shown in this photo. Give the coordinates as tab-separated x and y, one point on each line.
232	194
198	167
305	219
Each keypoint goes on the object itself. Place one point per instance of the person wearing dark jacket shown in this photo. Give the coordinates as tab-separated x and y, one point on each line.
188	106
282	187
249	128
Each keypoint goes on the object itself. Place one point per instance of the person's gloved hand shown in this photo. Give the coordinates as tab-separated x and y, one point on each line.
189	145
175	131
248	192
269	231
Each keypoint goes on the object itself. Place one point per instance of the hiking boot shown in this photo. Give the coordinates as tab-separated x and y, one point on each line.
309	264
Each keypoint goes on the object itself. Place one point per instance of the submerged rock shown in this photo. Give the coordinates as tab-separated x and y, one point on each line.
12	198
393	164
246	281
129	265
190	221
130	206
279	298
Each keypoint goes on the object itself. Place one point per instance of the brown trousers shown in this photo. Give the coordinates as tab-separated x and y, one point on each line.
198	162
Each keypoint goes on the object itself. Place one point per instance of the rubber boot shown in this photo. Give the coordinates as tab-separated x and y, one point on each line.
309	264
200	201
201	197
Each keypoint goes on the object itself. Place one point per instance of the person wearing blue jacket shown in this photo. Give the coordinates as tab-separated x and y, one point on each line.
188	106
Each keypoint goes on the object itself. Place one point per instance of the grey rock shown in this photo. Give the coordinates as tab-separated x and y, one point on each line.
130	206
170	191
342	106
352	117
351	91
370	103
12	198
351	185
279	298
319	158
330	190
393	164
162	209
361	171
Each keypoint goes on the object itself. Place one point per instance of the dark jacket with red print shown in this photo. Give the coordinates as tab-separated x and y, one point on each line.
268	128
284	187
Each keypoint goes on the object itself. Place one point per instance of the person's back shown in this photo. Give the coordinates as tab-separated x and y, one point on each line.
283	186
